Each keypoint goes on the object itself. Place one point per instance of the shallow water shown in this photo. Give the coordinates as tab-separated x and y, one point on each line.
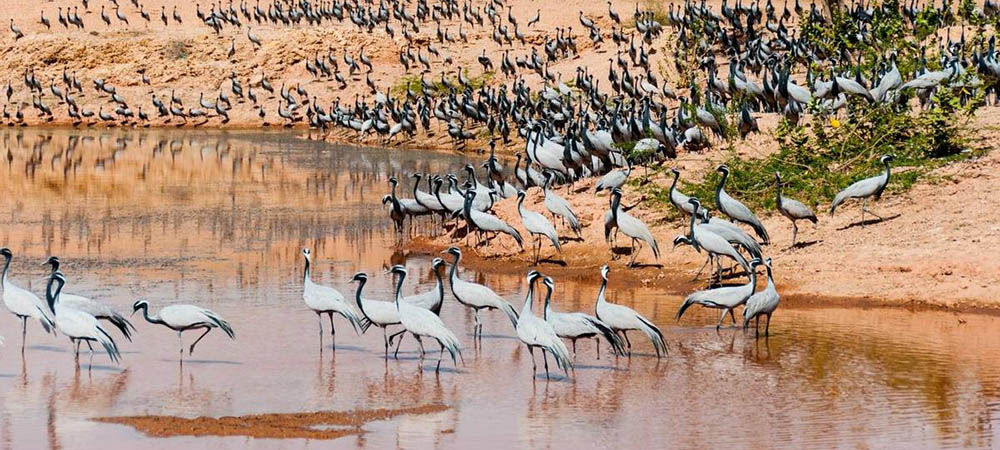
219	219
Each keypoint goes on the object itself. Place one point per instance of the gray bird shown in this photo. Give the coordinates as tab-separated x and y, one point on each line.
631	227
537	225
793	209
762	303
868	187
736	210
725	298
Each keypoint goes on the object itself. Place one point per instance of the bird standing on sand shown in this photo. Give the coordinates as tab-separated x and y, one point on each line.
736	210
793	209
863	189
538	226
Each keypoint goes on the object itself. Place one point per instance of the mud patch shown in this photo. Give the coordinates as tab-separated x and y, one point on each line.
314	425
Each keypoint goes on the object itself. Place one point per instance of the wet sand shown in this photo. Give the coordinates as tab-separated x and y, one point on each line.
219	219
317	425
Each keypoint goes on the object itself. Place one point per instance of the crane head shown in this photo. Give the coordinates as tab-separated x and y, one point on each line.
723	168
54	261
139	304
453	251
604	272
360	277
437	262
6	253
885	159
398	269
532	276
681	239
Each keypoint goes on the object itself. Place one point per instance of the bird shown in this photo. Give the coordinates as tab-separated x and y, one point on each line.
726	298
421	323
327	300
578	325
762	303
379	313
535	332
793	209
476	296
488	222
631	227
78	326
614	179
181	318
716	245
22	303
557	205
94	308
863	189
623	319
434	298
17	31
537	225
736	210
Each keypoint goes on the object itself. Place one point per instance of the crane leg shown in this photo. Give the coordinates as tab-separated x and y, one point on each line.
421	344
440	357
191	350
628	344
696	274
723	316
319	316
76	356
534	368
24	331
180	338
574	348
795	232
767	326
385	340
598	341
732	316
333	332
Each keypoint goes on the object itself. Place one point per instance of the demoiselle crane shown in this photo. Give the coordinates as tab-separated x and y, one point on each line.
578	325
422	323
863	189
22	303
793	209
538	226
78	326
327	300
736	210
181	318
726	298
762	303
92	307
476	296
535	332
378	313
624	319
631	227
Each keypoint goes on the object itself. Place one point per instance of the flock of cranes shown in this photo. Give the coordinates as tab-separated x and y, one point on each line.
571	130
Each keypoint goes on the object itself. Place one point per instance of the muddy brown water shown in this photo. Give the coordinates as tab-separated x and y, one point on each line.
219	219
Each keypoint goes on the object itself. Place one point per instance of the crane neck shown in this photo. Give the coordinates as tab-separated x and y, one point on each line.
357	295
50	297
440	284
150	318
548	301
616	201
778	192
305	272
453	276
600	293
399	289
6	267
722	183
673	185
887	172
526	309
